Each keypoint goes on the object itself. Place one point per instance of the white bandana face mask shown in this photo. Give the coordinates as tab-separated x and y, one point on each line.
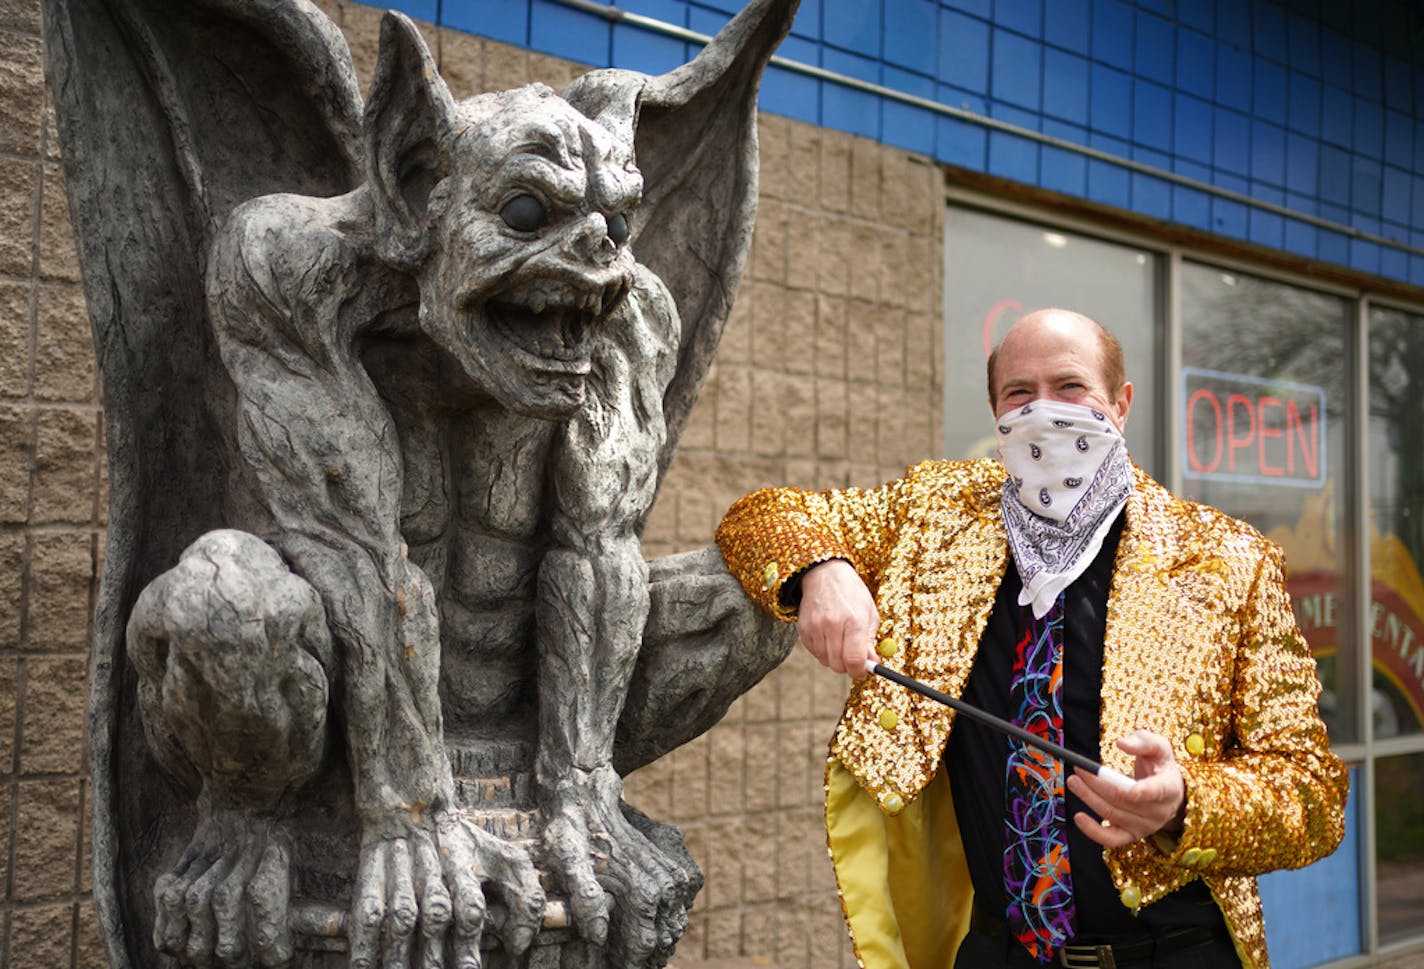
1069	476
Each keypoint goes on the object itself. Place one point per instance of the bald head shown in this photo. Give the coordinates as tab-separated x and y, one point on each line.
1060	355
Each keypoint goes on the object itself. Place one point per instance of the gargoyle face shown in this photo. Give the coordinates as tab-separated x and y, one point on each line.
530	255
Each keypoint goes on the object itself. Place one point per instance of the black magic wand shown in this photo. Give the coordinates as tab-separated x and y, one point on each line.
1115	778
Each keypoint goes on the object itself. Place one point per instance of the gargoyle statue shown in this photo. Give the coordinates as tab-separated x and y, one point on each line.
389	398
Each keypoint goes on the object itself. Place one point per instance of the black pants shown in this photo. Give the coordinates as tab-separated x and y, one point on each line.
981	951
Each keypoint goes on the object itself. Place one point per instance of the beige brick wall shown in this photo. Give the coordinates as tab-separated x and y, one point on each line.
829	374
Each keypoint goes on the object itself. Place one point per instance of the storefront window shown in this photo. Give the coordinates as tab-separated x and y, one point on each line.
1396	618
1264	390
1399	844
998	269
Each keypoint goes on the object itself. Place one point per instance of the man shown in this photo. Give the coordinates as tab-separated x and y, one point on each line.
1067	590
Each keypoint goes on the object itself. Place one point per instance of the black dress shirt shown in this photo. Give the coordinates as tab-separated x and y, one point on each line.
976	757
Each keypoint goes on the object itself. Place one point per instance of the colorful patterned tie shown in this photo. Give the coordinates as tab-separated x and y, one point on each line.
1037	886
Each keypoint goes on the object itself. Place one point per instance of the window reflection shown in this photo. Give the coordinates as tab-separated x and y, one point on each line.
998	269
1399	844
1396	511
1263	393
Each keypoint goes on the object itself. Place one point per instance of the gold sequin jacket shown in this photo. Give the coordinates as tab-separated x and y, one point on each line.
1201	647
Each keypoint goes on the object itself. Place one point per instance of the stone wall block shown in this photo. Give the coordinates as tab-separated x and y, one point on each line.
863	418
20	15
553	71
734	409
801	473
804	175
828	695
64	353
61	573
42	936
769	347
724	933
12	583
865	262
793	691
735	346
861	334
504	67
759	932
890	430
9	683
59	259
17	217
89	945
774	156
919	353
700	432
865	176
54	716
826	931
803	247
661	528
896	251
800	755
920	410
722	865
462	62
803	342
831	419
66	441
14	340
768	419
833	268
801	417
762	772
759	864
768	260
829	339
46	839
727	770
16	456
689	793
21	93
760	705
649	789
835	171
890	347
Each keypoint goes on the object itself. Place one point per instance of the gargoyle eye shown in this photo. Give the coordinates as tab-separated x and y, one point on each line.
523	213
618	228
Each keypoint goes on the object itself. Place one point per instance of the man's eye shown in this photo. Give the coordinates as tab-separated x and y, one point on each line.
523	213
618	228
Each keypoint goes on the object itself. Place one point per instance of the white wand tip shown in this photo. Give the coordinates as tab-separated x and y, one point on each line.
1117	779
870	665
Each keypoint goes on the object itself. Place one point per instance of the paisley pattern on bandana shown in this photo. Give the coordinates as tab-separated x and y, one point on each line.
1037	877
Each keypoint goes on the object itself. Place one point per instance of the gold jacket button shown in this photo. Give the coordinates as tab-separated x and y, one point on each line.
1131	897
1208	855
769	575
892	803
889	719
1195	744
887	647
1190	856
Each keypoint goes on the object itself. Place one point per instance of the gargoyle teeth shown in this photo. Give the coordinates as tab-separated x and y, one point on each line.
538	301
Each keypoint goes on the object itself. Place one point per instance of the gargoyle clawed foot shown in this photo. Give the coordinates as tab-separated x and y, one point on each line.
226	901
420	897
629	885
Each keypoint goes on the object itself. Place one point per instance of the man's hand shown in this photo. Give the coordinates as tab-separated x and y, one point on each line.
837	620
1154	804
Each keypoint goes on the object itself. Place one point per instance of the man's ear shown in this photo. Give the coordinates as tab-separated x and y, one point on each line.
407	116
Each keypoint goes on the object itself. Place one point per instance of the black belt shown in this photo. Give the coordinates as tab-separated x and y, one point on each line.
1108	956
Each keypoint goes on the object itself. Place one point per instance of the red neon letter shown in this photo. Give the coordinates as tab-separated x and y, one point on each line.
1309	437
1192	458
1263	431
1233	442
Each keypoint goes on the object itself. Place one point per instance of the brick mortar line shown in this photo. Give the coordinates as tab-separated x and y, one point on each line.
52	528
40	403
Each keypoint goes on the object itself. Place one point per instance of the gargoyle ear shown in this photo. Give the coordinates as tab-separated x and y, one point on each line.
407	116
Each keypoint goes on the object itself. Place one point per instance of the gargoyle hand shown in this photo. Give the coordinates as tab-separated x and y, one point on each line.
226	901
423	878
625	891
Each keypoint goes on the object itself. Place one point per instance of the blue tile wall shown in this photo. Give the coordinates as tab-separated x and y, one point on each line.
1318	106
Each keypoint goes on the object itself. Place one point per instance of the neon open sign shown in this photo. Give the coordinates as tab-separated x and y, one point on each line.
1249	429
